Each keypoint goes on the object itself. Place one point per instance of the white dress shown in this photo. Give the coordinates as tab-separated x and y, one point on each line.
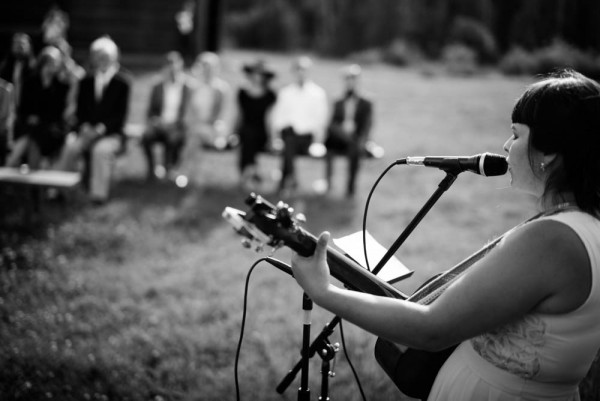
540	357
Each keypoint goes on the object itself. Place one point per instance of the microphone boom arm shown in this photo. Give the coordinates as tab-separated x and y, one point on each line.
442	187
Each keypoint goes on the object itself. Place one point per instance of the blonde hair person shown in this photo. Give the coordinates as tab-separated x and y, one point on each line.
102	107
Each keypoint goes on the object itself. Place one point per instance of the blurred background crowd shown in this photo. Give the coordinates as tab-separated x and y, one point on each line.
60	115
65	95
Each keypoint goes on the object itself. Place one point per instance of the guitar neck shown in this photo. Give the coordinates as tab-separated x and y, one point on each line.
345	269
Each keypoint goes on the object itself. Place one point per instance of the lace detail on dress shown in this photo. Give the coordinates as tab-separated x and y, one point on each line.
514	347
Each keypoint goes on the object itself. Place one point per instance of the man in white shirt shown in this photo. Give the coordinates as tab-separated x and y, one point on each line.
168	102
300	118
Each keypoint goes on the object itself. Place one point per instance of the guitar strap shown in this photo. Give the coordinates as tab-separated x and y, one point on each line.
432	289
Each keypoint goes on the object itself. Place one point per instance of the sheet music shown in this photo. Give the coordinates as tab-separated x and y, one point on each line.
353	246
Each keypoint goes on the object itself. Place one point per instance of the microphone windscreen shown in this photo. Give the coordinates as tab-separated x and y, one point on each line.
493	164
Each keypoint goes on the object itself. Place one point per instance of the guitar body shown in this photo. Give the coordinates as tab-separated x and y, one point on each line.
412	371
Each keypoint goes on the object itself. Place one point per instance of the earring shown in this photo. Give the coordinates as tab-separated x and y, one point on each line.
542	167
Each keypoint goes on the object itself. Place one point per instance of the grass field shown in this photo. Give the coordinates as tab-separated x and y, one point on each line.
141	299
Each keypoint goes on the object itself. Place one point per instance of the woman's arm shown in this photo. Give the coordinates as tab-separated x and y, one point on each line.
541	267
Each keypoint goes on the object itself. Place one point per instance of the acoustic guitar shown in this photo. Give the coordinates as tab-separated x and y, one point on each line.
412	371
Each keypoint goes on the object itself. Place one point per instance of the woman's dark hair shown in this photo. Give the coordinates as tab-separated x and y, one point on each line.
562	112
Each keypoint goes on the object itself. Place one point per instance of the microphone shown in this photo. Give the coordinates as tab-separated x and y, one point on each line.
486	164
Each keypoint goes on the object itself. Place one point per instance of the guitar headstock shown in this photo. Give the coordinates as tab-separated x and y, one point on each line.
265	224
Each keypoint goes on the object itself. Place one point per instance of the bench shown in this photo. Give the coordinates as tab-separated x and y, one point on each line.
35	181
39	178
316	151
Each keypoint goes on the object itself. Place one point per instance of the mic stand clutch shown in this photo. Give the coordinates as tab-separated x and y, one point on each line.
326	351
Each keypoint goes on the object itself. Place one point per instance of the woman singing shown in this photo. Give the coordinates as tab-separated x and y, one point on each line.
529	311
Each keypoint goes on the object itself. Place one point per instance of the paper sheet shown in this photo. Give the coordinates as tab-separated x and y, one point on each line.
353	245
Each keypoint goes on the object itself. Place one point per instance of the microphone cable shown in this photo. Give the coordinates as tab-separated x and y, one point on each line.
239	346
354	373
364	222
279	264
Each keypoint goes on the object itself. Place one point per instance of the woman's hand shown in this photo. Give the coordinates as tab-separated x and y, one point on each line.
312	273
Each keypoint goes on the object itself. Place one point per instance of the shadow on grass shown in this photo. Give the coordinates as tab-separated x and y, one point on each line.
43	377
198	209
195	209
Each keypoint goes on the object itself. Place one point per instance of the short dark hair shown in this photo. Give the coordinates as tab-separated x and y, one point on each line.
562	112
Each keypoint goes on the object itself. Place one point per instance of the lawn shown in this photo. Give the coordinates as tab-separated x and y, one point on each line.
141	299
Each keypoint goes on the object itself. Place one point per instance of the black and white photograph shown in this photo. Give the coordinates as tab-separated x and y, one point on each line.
277	200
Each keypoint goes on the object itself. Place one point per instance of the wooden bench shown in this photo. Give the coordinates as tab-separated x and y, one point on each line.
34	181
39	178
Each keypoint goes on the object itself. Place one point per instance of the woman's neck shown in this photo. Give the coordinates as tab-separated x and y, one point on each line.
558	201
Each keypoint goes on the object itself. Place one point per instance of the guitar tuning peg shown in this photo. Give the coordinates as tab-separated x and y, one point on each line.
284	215
301	217
246	243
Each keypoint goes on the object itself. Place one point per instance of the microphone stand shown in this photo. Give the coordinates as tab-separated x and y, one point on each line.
304	391
319	343
442	187
321	339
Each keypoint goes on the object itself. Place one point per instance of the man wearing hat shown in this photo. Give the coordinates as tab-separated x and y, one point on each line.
349	128
300	118
254	102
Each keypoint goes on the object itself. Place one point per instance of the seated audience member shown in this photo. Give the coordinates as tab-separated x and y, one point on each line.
300	118
54	33
207	114
102	105
254	102
18	65
70	73
5	118
208	108
40	127
168	101
349	128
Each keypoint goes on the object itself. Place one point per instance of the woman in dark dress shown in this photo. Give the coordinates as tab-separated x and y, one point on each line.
254	102
40	128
